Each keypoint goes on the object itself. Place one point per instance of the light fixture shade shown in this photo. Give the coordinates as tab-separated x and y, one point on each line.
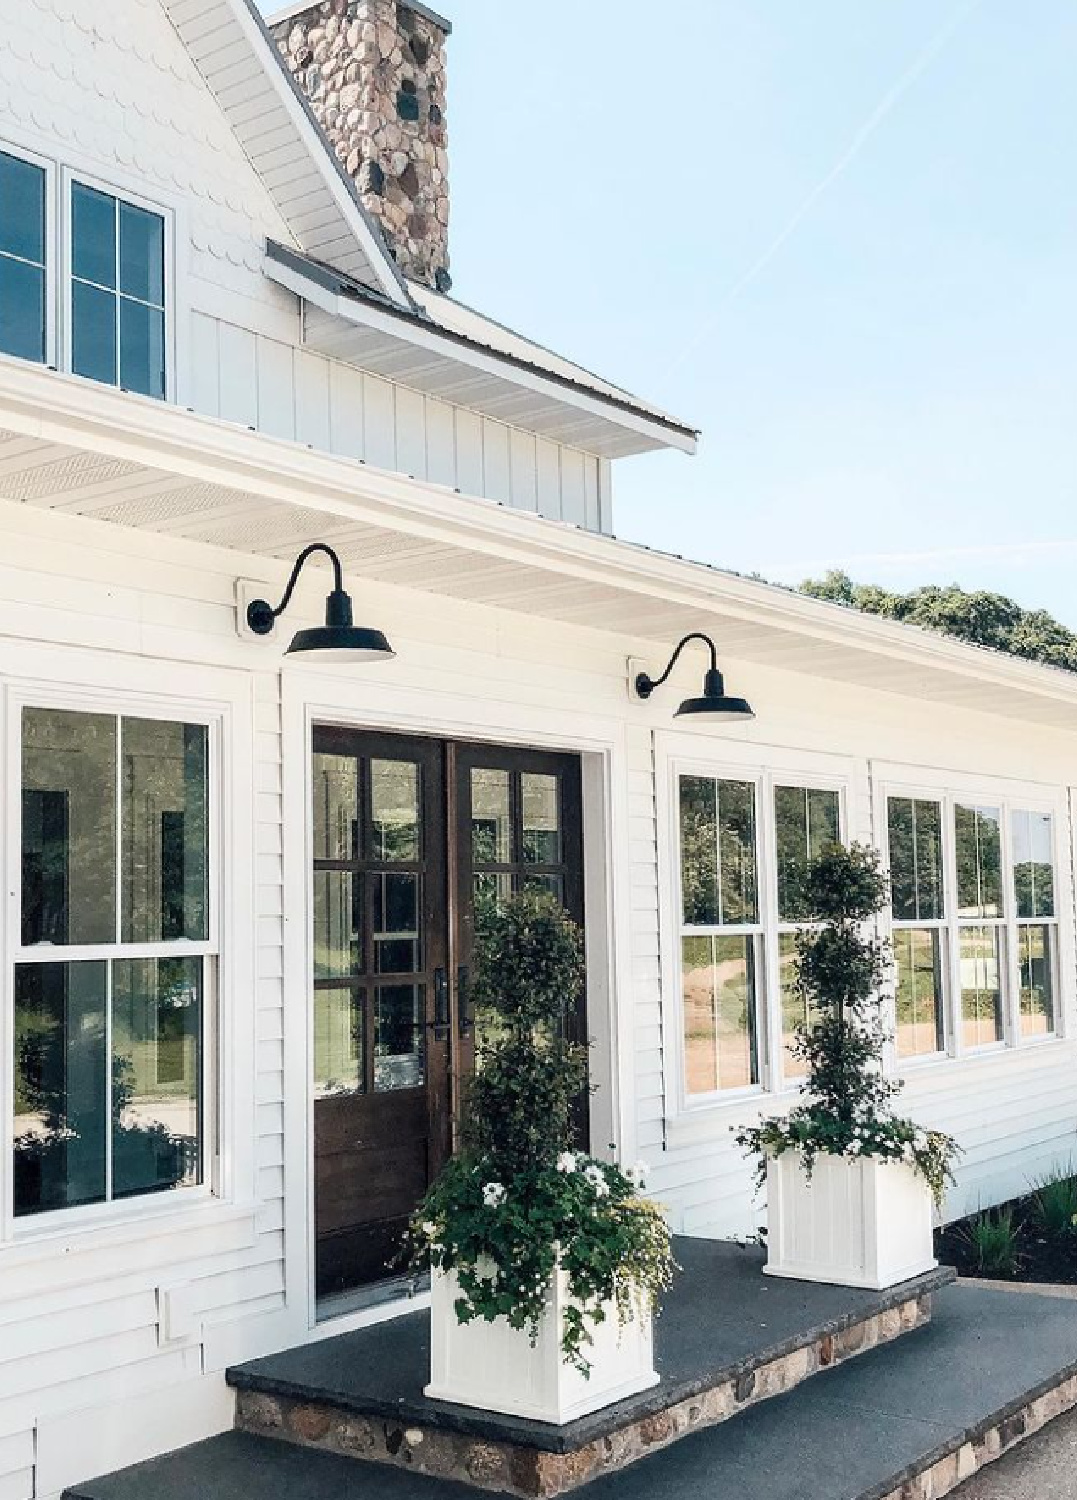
715	701
339	640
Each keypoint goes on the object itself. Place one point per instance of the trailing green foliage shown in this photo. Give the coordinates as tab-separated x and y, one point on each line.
840	973
994	1240
1054	1204
980	618
520	1203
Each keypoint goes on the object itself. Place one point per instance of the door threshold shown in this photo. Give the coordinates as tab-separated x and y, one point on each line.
364	1298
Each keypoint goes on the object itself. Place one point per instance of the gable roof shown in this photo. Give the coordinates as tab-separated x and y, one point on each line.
233	50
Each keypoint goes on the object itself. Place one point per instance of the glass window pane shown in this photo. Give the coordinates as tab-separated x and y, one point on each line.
807	820
338	1042
68	827
399	1032
22	209
93	236
916	862
719	1013
338	949
142	349
61	1085
795	1010
93	333
396	924
336	807
156	1075
165	830
394	809
1035	959
541	797
22	310
736	852
918	969
1033	863
142	254
981	985
491	816
699	850
978	837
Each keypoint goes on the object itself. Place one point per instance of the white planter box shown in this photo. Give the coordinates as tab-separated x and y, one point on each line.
855	1223
493	1365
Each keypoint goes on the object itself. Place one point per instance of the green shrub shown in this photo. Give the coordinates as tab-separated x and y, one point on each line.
1054	1204
994	1241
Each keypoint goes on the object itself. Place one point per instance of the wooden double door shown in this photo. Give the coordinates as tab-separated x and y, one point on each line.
412	838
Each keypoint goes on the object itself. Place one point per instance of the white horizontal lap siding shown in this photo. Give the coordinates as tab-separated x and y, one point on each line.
267	383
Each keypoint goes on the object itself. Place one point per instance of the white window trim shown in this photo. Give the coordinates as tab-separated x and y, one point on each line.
126	687
1008	795
52	246
765	767
69	176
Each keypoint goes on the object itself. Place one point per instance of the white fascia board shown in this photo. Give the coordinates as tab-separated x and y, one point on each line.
348	310
67	410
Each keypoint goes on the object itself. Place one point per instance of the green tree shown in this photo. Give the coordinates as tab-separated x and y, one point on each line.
980	618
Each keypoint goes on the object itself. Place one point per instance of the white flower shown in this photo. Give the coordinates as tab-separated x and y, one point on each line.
567	1161
493	1195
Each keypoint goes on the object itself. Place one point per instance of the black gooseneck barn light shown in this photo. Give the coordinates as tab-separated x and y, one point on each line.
714	699
339	639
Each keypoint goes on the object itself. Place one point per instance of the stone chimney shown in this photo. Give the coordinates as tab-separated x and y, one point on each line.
374	72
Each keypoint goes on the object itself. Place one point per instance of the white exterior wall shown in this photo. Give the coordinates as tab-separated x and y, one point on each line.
108	91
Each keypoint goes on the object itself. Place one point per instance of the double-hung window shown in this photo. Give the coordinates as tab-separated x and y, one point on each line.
23	258
807	820
117	304
114	971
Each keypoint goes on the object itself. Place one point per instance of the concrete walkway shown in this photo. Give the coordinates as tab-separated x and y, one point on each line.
1043	1468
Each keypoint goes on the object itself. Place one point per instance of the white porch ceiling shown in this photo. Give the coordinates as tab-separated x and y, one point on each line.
80	449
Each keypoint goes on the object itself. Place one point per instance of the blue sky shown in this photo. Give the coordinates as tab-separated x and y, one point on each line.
840	237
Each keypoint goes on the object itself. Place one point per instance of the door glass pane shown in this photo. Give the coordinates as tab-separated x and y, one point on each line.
794	1006
541	798
336	807
919	991
1034	951
93	236
142	349
142	254
978	836
338	1042
916	863
156	1074
61	1085
981	991
719	1013
165	830
399	1033
93	333
68	827
1033	863
396	924
394	810
22	209
338	948
22	310
807	821
491	817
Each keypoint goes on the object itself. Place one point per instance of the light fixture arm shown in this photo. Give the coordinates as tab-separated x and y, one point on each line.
261	616
645	684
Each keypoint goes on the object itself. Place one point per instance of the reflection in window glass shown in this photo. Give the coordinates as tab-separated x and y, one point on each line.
807	820
719	975
1036	968
394	810
916	862
1032	836
338	949
718	852
338	1042
919	990
398	1037
541	799
491	816
68	827
165	788
978	840
981	985
156	1074
336	807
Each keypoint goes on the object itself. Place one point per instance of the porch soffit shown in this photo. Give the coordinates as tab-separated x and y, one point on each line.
75	448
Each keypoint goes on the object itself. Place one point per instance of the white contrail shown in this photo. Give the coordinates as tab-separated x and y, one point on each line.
886	105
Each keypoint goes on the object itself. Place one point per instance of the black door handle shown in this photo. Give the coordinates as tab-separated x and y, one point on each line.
441	1025
463	997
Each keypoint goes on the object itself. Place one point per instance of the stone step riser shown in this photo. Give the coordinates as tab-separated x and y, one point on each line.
533	1474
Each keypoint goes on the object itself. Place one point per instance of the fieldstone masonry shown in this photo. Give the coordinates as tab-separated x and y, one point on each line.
374	72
